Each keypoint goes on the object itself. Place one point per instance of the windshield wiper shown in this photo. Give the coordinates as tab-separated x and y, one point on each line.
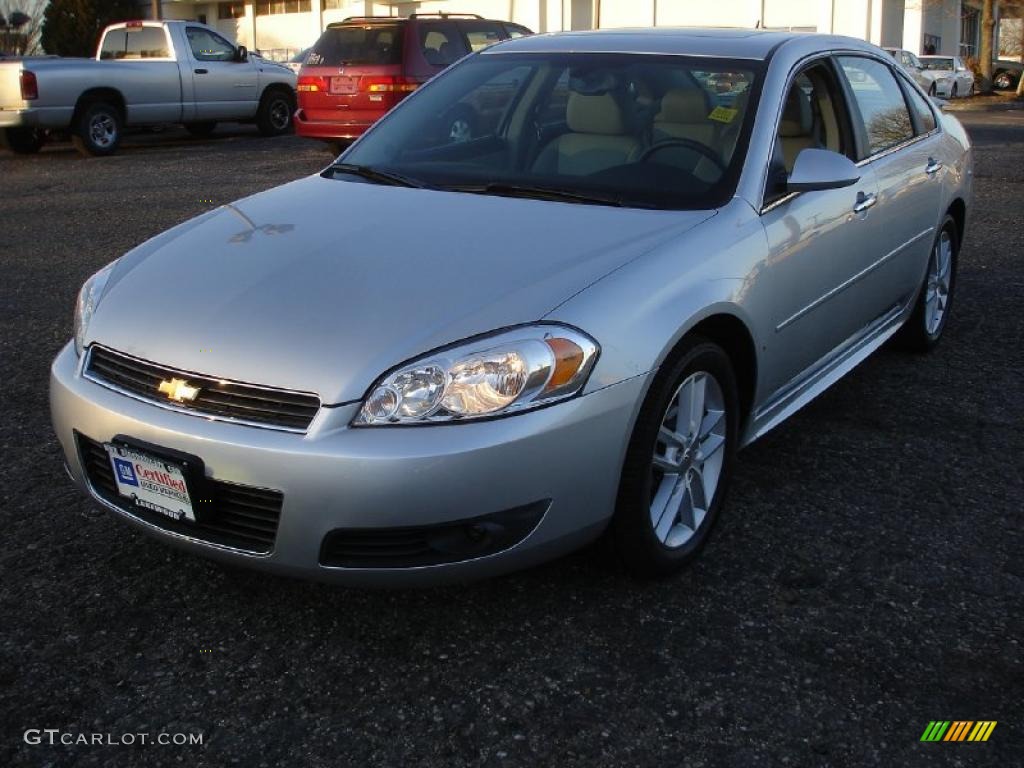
378	175
537	193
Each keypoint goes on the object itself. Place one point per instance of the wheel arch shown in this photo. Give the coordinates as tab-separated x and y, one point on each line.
732	335
284	88
100	93
958	210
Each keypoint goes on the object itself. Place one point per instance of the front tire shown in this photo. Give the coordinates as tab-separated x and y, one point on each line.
274	116
932	90
924	328
98	130
679	461
1003	81
952	94
24	141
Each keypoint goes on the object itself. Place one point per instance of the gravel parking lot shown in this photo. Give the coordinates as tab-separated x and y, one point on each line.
867	576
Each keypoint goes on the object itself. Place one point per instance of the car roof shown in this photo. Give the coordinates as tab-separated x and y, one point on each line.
698	41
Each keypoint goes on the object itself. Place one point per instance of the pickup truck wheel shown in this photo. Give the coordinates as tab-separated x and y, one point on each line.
274	116
199	130
1003	81
98	130
24	141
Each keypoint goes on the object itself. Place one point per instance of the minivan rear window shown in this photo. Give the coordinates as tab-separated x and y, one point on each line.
358	44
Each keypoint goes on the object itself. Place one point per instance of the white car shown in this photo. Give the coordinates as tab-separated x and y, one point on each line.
933	83
953	69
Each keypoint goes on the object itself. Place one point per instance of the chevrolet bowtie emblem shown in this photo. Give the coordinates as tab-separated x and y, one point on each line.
178	389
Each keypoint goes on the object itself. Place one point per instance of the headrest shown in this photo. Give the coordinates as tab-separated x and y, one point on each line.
682	106
594	114
796	115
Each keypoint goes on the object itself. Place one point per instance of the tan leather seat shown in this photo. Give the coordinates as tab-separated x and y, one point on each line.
597	138
684	115
796	126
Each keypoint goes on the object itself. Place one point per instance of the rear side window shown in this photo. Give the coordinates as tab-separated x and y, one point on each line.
441	43
480	34
355	45
923	113
514	30
879	99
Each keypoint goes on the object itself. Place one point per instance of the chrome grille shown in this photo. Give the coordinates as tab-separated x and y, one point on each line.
225	400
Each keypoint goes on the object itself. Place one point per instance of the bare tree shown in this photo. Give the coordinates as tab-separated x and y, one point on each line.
20	22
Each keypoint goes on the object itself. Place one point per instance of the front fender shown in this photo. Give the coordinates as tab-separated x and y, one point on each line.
640	312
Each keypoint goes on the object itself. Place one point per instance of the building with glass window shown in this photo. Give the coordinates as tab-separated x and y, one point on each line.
281	28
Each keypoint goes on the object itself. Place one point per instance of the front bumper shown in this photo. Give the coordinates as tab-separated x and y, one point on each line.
336	477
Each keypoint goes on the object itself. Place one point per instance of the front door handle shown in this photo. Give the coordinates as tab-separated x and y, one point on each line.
201	71
864	201
933	167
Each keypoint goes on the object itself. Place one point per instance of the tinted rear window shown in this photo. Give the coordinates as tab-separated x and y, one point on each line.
358	44
144	43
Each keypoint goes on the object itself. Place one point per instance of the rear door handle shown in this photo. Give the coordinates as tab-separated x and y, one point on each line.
864	202
933	167
201	71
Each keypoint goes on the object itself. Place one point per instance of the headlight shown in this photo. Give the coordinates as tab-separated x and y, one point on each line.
503	373
88	297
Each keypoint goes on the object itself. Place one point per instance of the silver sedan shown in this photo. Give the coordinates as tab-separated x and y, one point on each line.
444	359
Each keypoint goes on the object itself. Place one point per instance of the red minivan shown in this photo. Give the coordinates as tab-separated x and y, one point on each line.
363	66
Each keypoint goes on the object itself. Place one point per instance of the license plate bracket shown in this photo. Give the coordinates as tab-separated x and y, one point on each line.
343	84
158	479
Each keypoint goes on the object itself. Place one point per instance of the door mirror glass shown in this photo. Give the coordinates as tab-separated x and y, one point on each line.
241	53
816	169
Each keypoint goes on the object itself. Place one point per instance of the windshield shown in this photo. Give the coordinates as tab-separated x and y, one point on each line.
624	129
937	63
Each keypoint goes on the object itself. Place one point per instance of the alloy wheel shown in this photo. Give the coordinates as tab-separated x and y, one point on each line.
102	130
280	114
688	459
940	270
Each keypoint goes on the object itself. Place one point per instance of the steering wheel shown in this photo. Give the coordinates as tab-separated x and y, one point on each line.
696	146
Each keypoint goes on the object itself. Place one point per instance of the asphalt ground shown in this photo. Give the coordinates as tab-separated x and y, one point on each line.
866	578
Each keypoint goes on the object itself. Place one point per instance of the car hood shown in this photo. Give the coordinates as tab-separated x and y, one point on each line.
323	285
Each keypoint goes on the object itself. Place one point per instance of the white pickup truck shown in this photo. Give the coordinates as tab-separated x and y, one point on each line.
144	73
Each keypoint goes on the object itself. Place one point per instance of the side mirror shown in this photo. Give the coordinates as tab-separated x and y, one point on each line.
241	53
816	169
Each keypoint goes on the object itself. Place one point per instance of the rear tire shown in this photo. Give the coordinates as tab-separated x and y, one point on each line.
924	328
671	490
24	141
1003	81
98	130
201	130
274	116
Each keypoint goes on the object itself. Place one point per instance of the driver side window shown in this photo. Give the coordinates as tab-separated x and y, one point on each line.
813	116
207	46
